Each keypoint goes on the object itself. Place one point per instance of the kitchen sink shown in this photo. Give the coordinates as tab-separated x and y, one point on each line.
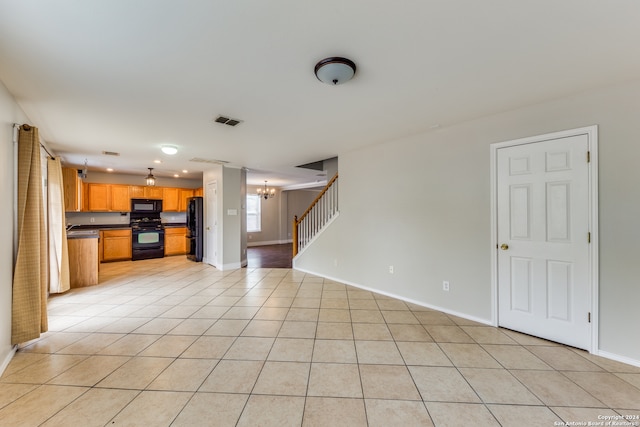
82	233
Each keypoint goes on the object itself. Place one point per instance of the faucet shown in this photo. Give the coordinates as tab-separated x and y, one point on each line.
70	226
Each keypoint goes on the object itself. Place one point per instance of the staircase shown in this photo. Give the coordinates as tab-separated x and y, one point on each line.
317	215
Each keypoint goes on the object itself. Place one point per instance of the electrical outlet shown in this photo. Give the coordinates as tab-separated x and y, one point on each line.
92	219
391	269
335	262
445	286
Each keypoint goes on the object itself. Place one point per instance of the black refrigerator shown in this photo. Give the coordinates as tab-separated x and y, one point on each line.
195	228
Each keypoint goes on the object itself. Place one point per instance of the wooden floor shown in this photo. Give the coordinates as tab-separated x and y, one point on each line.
271	256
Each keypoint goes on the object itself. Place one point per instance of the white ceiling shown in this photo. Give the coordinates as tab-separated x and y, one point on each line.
131	75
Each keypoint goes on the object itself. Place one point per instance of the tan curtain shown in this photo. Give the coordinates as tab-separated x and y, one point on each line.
29	305
58	252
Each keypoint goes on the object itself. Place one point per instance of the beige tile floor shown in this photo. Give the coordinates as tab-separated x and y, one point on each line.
170	342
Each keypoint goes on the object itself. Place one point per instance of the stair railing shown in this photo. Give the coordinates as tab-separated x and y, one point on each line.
317	215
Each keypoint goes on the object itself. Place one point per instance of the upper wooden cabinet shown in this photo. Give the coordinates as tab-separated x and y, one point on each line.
170	199
120	200
142	192
136	191
108	197
99	197
185	193
72	188
153	192
198	192
96	197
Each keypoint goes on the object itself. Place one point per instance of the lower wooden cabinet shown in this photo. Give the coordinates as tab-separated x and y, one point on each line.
115	245
175	242
83	262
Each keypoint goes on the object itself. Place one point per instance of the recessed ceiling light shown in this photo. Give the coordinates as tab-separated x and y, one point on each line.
169	149
175	175
185	171
109	169
157	161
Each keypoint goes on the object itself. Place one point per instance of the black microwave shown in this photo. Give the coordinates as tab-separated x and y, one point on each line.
146	205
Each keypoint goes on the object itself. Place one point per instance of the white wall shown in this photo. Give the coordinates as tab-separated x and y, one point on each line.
9	113
231	214
278	213
428	213
298	202
270	212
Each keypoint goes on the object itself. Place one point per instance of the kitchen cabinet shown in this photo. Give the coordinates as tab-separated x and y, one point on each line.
142	192
175	242
84	199
98	197
171	199
185	193
120	200
108	197
198	192
83	261
72	188
153	192
136	191
116	245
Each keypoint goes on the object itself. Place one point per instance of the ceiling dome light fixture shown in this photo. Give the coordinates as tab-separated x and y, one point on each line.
335	70
169	149
151	180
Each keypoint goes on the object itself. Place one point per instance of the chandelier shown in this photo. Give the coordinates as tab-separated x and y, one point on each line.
266	193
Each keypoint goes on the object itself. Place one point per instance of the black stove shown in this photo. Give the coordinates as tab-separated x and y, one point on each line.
146	223
147	235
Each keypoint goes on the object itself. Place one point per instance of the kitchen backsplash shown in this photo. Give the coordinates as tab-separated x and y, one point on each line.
111	218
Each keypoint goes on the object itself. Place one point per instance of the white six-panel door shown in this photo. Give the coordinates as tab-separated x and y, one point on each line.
543	236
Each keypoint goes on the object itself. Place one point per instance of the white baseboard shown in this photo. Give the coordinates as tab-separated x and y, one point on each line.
400	297
618	358
7	359
269	242
230	266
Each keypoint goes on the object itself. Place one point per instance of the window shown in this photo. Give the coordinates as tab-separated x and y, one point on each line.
254	220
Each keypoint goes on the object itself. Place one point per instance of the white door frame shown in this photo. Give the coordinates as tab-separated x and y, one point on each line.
210	220
592	134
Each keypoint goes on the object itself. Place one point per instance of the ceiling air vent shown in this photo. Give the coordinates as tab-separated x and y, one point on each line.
213	161
110	153
227	121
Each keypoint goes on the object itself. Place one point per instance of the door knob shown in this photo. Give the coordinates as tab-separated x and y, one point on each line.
504	246
208	228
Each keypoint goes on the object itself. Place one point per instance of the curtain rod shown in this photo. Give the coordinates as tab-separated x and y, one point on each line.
27	128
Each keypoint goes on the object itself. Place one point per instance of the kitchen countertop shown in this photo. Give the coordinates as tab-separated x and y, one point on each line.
99	227
82	234
85	227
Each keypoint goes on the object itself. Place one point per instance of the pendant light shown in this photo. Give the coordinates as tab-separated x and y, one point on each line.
151	180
